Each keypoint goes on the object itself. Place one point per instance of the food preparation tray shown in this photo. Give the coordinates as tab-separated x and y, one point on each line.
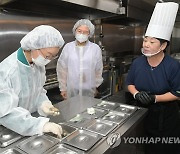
78	121
100	126
82	139
107	105
67	130
8	137
98	113
13	151
63	149
126	109
37	144
117	117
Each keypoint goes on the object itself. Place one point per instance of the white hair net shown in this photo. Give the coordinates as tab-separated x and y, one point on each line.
84	22
43	36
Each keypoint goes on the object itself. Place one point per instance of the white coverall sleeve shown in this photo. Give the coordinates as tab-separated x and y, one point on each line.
42	99
62	69
99	68
17	118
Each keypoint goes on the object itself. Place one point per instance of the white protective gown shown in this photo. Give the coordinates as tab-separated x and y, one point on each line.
21	93
79	69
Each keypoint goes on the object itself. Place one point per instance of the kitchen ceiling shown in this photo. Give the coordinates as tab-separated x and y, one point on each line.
131	11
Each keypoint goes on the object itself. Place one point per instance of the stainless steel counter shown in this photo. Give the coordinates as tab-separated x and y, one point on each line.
70	108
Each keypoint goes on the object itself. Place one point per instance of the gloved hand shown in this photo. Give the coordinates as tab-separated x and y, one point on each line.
49	109
64	94
53	128
145	98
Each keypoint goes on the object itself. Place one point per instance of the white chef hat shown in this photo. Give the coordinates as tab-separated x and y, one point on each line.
162	20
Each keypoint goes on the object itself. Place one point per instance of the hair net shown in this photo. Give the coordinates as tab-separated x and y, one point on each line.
43	36
84	22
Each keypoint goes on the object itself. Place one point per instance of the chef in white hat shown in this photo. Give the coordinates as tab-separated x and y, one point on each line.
153	80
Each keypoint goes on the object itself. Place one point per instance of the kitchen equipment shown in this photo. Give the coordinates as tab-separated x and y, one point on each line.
115	78
127	109
176	56
117	117
105	89
37	144
67	130
107	105
82	139
8	137
13	151
101	127
51	78
124	85
63	149
97	113
78	121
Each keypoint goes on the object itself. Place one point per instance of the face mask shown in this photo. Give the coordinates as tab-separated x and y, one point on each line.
81	37
149	54
40	61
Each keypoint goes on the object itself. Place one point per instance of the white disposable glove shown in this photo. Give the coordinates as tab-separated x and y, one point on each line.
53	128
49	109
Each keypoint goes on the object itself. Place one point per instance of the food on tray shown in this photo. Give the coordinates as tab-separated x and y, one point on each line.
91	111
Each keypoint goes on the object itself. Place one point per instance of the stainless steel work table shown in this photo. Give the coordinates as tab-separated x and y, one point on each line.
71	107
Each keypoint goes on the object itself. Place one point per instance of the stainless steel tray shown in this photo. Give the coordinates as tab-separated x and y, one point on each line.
37	144
78	121
13	151
107	105
126	109
82	139
63	149
8	137
97	114
117	117
102	127
67	130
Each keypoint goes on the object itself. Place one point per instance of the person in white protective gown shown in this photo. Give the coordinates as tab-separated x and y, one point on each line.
80	66
22	77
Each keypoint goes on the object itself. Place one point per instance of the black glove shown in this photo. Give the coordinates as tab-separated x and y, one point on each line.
145	98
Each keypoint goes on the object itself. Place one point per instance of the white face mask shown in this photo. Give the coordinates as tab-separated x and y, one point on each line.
40	61
150	54
81	37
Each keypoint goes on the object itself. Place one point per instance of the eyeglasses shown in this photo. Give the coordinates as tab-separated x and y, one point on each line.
50	56
79	31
